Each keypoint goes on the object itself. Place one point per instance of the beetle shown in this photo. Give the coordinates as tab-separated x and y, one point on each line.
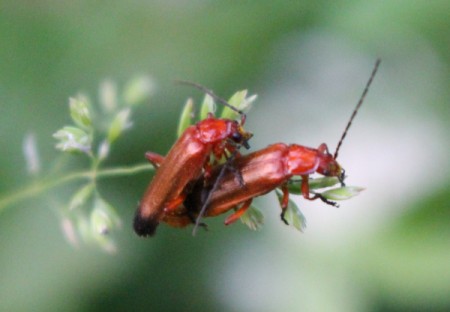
188	158
261	171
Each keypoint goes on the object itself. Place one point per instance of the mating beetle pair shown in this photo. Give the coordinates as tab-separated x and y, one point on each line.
189	185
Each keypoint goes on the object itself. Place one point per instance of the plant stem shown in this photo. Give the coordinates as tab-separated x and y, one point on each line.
39	187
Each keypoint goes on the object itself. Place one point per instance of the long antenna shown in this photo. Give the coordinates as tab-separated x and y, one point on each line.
210	93
361	100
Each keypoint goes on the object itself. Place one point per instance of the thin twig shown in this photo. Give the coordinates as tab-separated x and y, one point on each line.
42	185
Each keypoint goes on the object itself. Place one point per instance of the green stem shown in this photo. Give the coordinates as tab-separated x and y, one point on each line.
39	187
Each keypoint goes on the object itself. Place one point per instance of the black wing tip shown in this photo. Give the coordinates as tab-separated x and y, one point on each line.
144	227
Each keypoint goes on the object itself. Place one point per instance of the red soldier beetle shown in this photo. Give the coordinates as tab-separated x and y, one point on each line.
188	158
261	171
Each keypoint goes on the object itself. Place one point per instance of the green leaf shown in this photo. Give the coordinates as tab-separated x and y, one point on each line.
240	101
104	217
100	222
108	96
236	101
103	150
323	182
103	220
93	235
119	124
72	139
253	218
294	185
186	117
138	90
31	154
68	229
81	196
293	214
342	193
208	106
83	227
80	113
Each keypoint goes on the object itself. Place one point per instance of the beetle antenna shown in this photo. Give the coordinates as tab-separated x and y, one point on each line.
210	93
361	100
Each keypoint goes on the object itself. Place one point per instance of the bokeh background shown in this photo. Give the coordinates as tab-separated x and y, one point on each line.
385	250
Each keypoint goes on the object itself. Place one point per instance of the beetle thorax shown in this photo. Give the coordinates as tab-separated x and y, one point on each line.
212	130
302	160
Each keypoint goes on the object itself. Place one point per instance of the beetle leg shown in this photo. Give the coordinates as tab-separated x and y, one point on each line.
178	221
238	213
305	186
173	205
230	147
219	150
323	149
155	159
306	194
207	168
326	201
177	216
284	203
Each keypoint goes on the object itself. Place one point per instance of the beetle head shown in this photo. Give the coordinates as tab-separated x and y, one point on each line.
240	136
328	166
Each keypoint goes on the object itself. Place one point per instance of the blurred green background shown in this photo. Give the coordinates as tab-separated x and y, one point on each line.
385	250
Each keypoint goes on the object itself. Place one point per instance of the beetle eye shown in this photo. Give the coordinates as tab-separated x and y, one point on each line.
237	137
